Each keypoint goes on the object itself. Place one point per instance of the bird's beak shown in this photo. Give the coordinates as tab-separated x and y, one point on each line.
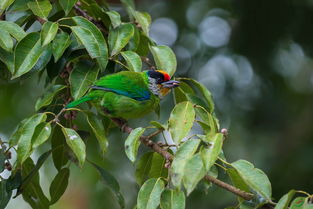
170	84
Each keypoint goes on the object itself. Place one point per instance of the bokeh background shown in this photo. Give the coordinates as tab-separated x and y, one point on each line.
256	59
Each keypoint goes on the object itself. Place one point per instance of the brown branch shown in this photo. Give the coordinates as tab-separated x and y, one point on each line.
168	156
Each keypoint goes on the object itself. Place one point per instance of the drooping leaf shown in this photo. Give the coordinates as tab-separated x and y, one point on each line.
114	17
238	181
132	143
119	37
182	156
150	193
194	171
82	77
143	44
181	121
133	60
143	167
134	41
60	43
207	96
15	30
40	8
2	160
98	129
48	96
48	32
32	193
26	54
59	185
158	169
254	178
67	5
164	58
41	134
59	151
76	144
5	195
111	182
100	51
172	199
8	59
285	200
144	20
6	41
3	5
23	136
210	154
14	181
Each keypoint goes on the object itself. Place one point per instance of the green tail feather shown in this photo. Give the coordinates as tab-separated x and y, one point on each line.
77	102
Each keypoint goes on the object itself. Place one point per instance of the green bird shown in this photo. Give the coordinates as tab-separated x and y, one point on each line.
127	94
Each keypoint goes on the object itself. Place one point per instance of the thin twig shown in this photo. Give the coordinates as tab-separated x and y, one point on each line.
168	156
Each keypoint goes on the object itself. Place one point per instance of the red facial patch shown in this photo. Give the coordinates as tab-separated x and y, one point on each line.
167	77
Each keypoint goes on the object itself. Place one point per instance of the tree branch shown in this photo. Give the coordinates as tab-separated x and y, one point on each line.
146	140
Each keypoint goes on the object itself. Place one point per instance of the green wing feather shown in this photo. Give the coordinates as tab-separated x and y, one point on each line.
130	84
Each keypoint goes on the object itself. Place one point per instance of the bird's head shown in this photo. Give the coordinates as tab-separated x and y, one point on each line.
160	82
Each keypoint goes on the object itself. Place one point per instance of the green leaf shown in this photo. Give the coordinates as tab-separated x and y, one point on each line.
207	118
210	154
143	44
26	54
111	182
144	20
92	40
14	181
182	156
43	59
32	193
67	5
23	136
298	203
8	59
59	185
207	96
41	134
59	147
133	60
2	160
143	167
132	143
5	195
157	168
119	37
6	41
48	32
254	177
164	58
181	121
48	96
40	8
82	77
15	30
237	181
114	17
285	200
77	145
172	199
60	43
150	193
3	5
158	125
134	41
98	129
194	171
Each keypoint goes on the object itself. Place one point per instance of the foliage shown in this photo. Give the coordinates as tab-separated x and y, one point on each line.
77	43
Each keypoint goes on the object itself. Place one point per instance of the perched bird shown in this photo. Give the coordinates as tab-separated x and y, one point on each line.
128	94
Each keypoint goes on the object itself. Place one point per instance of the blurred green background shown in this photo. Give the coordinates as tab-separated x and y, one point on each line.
255	58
